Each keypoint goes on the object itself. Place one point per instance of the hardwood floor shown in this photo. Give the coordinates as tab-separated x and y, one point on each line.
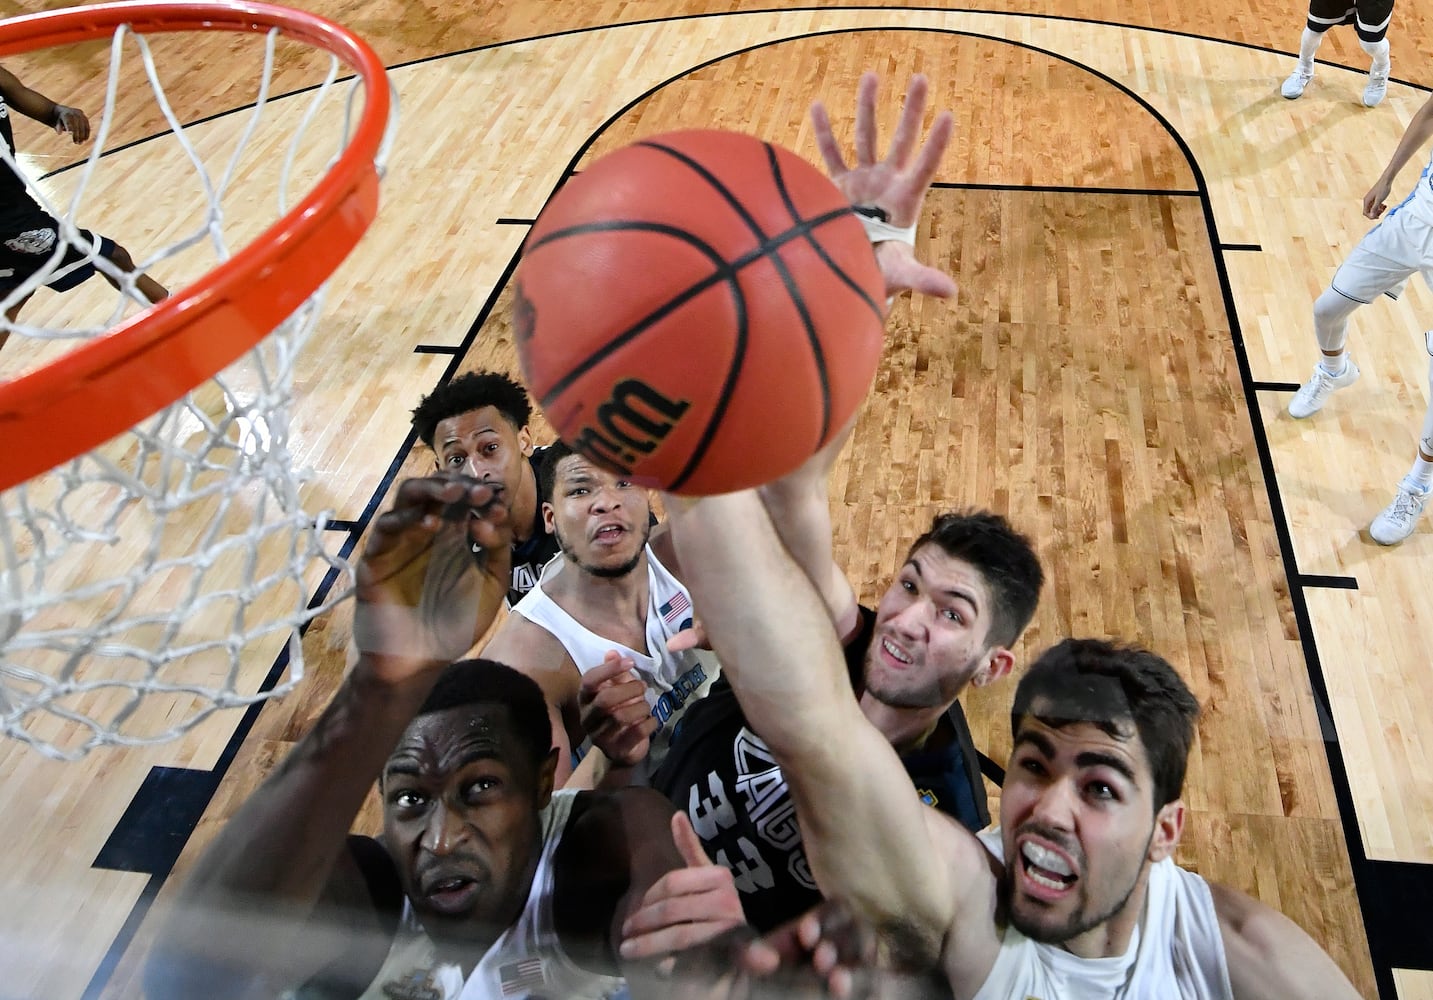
1139	226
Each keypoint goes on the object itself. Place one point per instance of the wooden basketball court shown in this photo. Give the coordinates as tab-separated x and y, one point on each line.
1139	225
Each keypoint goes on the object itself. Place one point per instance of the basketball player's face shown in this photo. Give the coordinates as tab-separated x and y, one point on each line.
1080	831
460	817
930	635
601	519
483	444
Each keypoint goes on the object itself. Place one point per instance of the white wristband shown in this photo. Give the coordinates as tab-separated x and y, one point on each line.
878	230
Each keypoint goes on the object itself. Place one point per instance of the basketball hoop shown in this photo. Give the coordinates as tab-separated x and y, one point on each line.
117	449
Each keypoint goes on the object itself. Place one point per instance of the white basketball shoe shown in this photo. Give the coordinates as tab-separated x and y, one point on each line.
1293	87
1375	90
1315	392
1401	516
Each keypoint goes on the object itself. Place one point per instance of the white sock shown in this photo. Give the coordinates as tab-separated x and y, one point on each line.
1421	475
1308	45
1378	51
1335	364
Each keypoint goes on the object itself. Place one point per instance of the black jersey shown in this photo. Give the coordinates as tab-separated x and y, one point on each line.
728	782
15	199
529	557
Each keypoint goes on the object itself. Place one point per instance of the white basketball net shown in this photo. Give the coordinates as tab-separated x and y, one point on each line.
163	575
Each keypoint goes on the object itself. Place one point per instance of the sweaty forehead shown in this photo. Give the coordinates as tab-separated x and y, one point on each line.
464	425
439	742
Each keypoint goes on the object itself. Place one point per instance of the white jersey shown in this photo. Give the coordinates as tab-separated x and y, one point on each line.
1420	200
527	961
1390	252
674	680
1176	952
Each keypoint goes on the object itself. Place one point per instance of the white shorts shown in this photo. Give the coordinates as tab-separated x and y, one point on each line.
1383	261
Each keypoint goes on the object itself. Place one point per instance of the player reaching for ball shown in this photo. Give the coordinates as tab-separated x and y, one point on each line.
617	591
889	194
687	294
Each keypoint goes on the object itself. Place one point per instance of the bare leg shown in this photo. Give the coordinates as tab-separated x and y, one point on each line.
148	287
12	314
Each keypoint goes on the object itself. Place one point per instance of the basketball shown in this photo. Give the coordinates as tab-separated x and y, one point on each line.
699	310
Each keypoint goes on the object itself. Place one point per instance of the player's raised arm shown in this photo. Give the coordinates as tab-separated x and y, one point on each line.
245	917
1270	956
864	830
888	193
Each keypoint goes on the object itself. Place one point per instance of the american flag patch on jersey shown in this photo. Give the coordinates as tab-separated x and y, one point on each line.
521	977
673	610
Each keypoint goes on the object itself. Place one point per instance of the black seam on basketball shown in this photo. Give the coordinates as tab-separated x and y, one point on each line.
849	281
733	373
701	171
817	353
724	272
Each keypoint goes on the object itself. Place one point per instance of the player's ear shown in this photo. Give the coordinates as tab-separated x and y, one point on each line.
1168	826
997	665
547	778
548	522
524	439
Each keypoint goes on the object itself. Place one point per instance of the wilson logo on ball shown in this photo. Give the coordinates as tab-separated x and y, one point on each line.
714	267
633	421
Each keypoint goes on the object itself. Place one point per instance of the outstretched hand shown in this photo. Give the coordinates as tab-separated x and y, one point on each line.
423	597
685	908
613	705
893	188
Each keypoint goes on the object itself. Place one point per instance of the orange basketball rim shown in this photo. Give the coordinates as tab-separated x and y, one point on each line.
145	363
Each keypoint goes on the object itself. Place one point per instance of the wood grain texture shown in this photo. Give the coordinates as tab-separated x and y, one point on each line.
1084	381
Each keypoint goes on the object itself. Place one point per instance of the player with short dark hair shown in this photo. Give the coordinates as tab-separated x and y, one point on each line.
611	601
477	425
1076	893
485	882
1005	557
29	234
965	593
465	393
1062	687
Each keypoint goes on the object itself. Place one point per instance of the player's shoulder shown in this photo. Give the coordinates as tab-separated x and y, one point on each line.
970	864
526	646
604	827
615	807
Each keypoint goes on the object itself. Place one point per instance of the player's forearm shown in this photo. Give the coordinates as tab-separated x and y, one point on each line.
283	843
1415	140
770	630
800	511
33	104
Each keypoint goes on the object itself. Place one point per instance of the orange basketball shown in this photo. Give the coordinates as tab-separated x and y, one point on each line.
699	310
